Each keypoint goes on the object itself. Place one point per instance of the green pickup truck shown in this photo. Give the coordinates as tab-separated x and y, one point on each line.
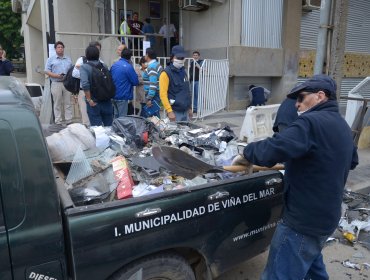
193	233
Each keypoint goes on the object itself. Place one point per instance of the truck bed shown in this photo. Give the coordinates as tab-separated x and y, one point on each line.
220	224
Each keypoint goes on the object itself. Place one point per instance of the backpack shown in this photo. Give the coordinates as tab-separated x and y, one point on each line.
102	87
71	83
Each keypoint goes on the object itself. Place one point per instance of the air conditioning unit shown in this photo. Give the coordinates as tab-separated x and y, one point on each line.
194	5
309	5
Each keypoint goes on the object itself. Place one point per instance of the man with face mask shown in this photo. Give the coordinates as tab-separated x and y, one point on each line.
318	152
174	87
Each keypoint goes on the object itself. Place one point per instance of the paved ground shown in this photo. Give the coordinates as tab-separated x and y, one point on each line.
335	252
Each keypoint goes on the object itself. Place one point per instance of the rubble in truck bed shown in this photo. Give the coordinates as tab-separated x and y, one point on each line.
107	163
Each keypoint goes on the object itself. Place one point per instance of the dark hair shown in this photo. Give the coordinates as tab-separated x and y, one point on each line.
147	20
151	53
126	54
95	44
142	60
196	52
58	43
92	53
251	86
135	13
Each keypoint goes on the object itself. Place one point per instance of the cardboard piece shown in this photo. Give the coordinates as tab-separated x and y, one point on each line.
123	176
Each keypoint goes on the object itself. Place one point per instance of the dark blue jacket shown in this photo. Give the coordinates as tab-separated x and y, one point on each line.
179	88
318	152
258	96
6	67
124	78
286	114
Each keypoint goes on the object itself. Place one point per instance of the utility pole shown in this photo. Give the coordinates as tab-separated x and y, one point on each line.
338	42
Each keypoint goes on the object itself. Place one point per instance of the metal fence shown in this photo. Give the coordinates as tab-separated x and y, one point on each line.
213	87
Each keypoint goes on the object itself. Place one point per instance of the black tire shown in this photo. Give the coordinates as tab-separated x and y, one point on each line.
164	266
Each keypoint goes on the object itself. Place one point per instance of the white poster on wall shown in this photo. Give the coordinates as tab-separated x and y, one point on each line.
146	44
51	50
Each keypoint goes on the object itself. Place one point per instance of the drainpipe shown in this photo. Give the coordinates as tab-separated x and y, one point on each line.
322	36
180	28
113	16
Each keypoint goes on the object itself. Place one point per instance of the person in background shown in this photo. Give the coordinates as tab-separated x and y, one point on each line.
125	29
99	112
258	95
286	114
140	92
195	66
174	87
152	74
136	27
6	67
119	50
318	152
81	95
124	78
56	67
172	34
149	29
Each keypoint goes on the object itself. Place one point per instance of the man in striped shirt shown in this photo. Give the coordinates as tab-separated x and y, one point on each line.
151	79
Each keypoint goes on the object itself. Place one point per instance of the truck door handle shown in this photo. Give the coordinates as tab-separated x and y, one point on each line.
218	195
148	212
273	181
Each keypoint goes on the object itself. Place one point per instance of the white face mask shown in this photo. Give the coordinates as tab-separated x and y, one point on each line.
301	112
178	63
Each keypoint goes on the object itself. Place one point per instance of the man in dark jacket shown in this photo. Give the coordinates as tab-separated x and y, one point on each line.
318	152
174	87
6	67
285	115
258	95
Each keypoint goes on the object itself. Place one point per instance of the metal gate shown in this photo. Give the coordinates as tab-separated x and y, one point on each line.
213	87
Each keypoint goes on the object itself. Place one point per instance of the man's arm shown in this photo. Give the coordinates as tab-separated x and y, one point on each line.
164	82
76	69
293	142
132	76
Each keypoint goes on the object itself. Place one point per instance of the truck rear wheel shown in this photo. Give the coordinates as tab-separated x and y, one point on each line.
164	266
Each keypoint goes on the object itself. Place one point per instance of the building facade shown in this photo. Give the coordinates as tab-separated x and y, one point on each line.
267	42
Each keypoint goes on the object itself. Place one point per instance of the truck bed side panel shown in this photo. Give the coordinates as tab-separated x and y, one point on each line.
225	230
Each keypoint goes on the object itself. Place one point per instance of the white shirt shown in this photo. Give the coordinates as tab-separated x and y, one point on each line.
76	71
171	30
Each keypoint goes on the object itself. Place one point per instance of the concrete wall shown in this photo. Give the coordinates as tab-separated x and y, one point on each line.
216	33
207	30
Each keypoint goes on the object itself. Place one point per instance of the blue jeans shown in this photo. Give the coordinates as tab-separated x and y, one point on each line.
182	116
120	108
195	101
100	114
295	256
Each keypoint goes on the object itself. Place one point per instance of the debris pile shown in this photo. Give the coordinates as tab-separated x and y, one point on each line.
108	163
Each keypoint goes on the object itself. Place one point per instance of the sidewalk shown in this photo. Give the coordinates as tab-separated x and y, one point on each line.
358	179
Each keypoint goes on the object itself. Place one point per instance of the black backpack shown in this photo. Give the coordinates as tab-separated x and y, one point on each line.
102	87
71	83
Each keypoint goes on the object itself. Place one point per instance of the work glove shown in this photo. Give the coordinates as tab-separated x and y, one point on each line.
241	160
